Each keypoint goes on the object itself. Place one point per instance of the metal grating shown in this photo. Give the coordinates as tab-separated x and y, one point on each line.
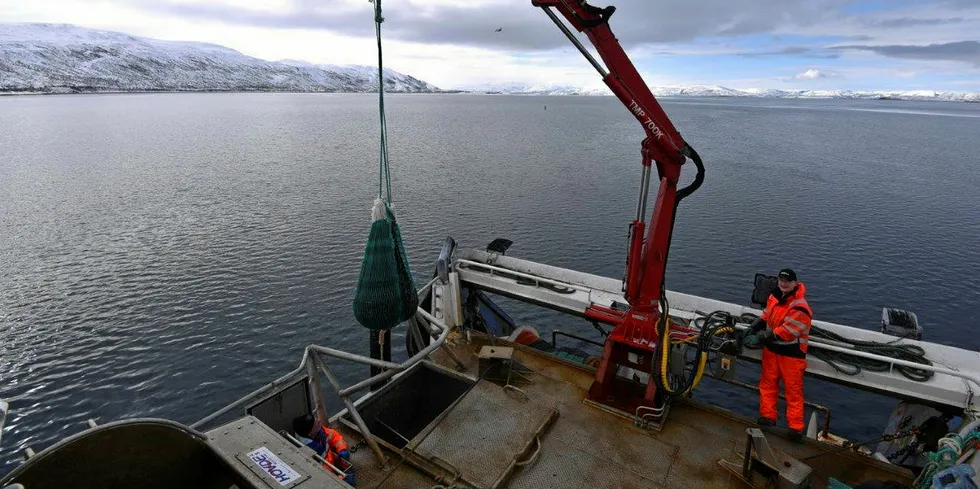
561	466
586	440
482	424
617	444
697	464
406	477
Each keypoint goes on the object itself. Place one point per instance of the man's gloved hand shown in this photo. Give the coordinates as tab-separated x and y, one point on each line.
750	340
351	478
766	337
344	454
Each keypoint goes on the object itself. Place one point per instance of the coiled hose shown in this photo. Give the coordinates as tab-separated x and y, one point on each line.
713	327
854	365
717	328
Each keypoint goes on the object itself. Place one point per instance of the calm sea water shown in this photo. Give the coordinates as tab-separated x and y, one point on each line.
164	254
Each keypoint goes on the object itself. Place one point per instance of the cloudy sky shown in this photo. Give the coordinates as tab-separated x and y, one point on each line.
787	44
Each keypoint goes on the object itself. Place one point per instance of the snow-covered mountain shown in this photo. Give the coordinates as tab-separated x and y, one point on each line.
68	58
62	58
368	76
718	91
523	89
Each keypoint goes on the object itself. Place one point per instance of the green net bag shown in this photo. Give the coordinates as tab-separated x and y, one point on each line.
385	294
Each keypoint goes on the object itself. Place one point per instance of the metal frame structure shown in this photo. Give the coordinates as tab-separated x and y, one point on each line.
314	363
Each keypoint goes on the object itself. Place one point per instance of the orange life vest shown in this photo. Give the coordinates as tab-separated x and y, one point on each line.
789	318
334	444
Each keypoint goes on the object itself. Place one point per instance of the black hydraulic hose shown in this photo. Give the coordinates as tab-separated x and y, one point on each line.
681	194
710	326
854	365
909	353
698	179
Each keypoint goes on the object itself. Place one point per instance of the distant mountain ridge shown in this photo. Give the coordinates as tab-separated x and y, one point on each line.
719	91
63	58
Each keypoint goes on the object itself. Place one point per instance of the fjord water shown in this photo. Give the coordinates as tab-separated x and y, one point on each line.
164	254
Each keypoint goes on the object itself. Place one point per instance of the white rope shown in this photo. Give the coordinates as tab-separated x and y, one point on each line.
378	211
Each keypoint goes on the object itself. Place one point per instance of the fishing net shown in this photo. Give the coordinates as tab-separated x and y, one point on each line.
385	294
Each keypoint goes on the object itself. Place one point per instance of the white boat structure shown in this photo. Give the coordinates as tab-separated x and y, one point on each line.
956	372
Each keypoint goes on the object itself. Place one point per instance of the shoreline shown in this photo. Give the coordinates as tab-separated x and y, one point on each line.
14	93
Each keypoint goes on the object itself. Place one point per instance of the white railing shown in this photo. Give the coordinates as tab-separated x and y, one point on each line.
314	363
536	279
971	405
893	362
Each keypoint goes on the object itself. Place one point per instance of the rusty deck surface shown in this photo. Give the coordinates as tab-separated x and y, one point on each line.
543	435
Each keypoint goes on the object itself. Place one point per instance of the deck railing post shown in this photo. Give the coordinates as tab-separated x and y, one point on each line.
315	388
365	432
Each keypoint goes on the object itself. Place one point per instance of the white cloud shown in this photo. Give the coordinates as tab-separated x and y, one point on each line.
442	65
811	74
463	49
913	24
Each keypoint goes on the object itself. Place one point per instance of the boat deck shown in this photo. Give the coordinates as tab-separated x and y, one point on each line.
542	434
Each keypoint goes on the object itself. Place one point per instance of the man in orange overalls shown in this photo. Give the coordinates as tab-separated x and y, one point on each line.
784	330
326	442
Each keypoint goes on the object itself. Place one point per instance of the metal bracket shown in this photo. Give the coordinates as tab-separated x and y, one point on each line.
760	458
497	365
757	439
727	364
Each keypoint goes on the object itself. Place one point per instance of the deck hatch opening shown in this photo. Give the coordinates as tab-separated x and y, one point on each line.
404	408
278	409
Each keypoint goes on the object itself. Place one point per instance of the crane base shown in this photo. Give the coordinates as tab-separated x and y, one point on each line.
635	352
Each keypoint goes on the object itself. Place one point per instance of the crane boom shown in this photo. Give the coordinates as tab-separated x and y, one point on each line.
635	330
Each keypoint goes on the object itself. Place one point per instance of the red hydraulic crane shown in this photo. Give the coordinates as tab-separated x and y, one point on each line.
634	340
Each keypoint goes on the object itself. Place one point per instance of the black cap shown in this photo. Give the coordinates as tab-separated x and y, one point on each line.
787	274
303	425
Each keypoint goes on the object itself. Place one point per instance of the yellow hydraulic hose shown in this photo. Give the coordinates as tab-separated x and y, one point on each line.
702	362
